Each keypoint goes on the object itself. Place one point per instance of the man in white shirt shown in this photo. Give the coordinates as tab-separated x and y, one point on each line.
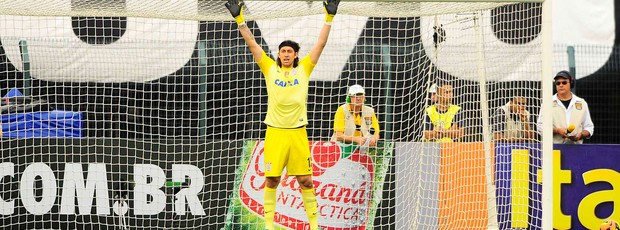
511	122
570	113
433	93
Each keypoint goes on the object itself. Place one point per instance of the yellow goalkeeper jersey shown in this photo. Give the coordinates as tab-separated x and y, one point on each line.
287	92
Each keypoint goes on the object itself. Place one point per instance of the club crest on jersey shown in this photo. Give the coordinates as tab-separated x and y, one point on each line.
578	106
289	73
282	83
368	121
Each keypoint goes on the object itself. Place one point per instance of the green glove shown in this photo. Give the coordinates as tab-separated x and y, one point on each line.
331	7
236	10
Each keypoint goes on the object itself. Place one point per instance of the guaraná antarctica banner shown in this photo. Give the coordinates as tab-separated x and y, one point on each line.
348	182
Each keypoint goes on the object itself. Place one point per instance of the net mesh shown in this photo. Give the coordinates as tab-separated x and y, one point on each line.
148	114
216	11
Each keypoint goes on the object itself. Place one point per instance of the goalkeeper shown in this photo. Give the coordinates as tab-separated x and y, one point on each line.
286	138
355	122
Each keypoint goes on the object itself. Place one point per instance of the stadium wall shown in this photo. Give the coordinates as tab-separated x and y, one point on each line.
36	172
35	175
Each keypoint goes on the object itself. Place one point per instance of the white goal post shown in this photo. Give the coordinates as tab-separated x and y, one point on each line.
124	114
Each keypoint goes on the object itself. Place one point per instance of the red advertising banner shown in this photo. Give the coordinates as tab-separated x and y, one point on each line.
348	182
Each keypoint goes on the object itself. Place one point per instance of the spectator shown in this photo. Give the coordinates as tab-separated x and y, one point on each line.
355	122
433	93
511	122
570	113
444	120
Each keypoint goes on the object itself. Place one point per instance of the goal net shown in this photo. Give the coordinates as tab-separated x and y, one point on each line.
148	114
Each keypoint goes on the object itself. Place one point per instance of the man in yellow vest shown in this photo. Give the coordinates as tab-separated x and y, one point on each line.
355	122
443	120
511	122
570	113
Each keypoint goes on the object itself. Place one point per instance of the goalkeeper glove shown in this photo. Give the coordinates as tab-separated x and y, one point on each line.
236	10
331	7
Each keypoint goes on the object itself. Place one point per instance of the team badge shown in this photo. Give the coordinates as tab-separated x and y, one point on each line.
578	106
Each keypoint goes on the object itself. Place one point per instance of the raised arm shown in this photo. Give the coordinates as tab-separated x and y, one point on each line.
236	10
331	7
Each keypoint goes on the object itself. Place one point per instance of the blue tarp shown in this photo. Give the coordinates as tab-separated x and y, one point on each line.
57	123
14	92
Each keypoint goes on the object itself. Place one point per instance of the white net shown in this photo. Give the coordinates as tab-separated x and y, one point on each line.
215	10
148	114
478	182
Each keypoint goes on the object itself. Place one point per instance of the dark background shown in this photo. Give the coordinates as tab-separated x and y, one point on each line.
236	95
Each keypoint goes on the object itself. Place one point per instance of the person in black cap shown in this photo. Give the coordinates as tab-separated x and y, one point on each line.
570	114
